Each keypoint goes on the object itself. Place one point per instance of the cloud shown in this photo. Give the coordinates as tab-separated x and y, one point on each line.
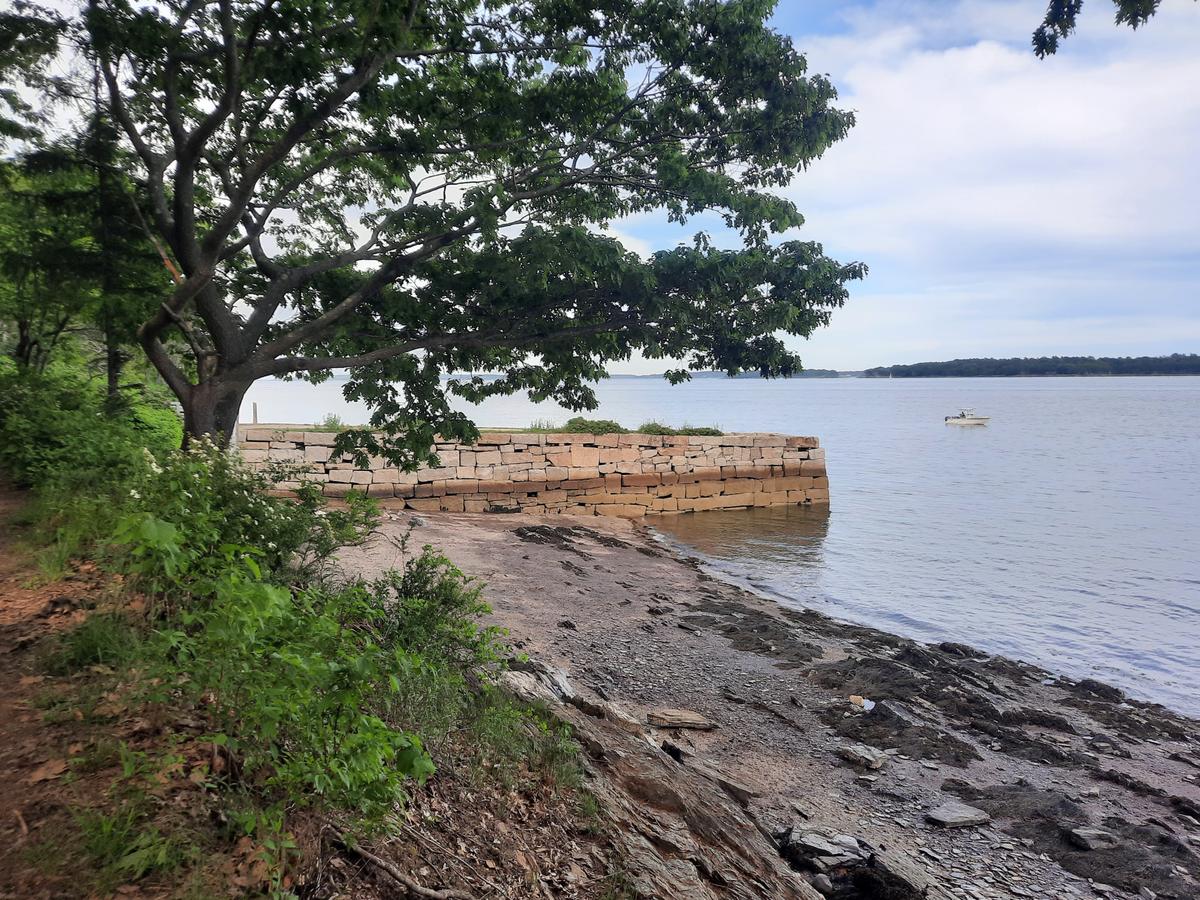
1006	205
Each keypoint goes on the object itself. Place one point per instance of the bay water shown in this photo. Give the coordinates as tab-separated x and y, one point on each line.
1066	532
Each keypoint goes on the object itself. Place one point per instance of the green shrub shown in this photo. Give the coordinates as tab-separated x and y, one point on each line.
653	427
184	519
580	425
311	690
123	848
55	431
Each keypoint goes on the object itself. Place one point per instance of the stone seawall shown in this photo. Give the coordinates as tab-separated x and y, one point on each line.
629	475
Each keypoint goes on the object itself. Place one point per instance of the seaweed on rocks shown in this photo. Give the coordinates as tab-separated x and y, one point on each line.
1137	856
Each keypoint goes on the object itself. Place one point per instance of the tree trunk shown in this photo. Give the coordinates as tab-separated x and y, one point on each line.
211	411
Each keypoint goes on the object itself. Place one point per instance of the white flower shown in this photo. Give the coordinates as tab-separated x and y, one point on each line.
134	494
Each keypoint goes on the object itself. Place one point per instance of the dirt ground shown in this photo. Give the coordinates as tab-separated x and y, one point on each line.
633	623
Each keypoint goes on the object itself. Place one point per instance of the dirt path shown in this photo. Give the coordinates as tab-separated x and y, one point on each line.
1044	757
34	753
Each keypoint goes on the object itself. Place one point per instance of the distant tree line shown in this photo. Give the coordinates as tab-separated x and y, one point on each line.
1175	364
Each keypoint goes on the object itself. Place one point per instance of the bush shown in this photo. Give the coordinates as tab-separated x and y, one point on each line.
183	520
54	431
580	425
653	427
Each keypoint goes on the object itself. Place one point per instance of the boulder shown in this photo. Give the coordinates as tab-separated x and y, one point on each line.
667	717
862	755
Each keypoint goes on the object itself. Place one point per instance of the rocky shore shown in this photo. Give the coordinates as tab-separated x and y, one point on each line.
749	750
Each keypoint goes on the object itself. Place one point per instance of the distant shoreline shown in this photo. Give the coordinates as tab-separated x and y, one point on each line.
1040	375
1044	367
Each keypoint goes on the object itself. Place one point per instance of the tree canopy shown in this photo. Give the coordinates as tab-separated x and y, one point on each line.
414	188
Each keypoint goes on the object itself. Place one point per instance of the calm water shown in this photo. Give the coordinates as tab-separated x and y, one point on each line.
1066	532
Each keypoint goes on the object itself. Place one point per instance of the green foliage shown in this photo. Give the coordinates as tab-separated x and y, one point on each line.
55	430
1061	16
1175	364
462	238
123	848
580	425
101	639
186	520
659	428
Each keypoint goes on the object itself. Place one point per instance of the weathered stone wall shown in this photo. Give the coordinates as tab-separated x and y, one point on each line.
630	475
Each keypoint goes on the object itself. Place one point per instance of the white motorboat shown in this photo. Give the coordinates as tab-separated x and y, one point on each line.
967	417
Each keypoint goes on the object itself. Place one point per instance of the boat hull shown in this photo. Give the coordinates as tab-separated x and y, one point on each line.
969	420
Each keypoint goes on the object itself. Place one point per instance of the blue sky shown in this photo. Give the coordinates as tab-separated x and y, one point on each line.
1007	206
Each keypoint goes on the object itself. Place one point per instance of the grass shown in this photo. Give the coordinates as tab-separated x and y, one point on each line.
123	848
102	639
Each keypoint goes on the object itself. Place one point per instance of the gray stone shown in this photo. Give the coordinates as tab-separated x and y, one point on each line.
822	884
862	755
957	815
666	717
1091	838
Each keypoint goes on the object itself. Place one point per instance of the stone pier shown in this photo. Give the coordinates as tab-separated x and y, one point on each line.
630	475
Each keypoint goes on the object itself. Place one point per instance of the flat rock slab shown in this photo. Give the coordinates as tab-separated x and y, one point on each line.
862	755
1092	838
678	718
957	815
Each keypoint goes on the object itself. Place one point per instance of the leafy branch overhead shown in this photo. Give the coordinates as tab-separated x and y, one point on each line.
407	189
1062	15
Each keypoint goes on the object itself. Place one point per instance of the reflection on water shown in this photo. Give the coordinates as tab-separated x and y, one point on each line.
792	536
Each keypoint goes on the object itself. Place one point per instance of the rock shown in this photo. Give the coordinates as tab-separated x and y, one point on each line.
822	884
667	717
1091	838
535	681
568	624
897	714
957	815
665	817
862	755
814	842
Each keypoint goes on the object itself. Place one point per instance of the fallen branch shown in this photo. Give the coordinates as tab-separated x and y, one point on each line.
390	869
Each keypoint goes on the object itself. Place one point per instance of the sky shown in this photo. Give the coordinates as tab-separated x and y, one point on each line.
1006	205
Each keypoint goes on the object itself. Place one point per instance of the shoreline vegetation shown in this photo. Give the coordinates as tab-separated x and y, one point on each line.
211	705
1041	366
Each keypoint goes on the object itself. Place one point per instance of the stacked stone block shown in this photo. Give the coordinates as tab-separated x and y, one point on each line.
630	475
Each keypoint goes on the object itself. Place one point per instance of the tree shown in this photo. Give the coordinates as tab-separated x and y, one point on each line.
73	255
45	252
1061	16
407	189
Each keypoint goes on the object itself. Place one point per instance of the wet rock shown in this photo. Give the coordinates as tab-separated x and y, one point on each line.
1091	838
862	755
957	815
668	717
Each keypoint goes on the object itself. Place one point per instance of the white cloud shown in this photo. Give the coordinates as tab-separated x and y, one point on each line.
1002	200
